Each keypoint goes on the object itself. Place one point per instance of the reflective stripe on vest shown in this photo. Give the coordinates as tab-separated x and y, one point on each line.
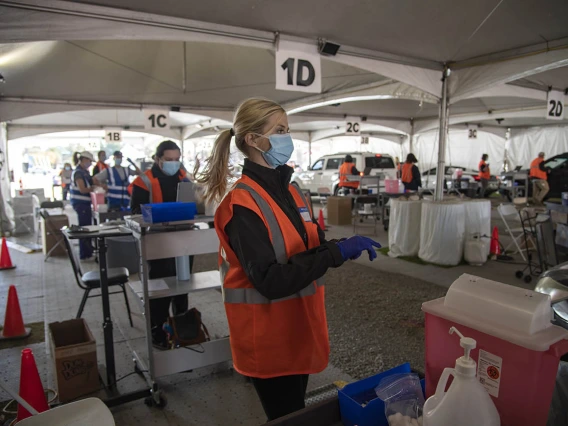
75	194
251	295
117	192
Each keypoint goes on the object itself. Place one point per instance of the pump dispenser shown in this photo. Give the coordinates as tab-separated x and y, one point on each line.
466	403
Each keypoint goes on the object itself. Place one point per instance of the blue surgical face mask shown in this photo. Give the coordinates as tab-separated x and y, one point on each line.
67	167
117	161
281	149
171	167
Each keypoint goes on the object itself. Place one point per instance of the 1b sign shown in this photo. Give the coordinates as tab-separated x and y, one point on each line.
298	71
113	136
555	105
156	119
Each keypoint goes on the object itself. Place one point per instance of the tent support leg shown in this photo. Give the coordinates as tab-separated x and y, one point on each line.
442	138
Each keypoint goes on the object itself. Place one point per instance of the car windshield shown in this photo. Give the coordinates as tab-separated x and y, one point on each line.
379	162
556	162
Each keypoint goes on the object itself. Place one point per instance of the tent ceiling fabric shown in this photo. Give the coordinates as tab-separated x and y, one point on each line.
383	25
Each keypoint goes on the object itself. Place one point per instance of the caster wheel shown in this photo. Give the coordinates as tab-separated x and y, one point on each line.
519	274
386	227
150	402
528	279
360	220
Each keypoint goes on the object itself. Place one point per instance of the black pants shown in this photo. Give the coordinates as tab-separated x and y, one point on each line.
160	308
281	395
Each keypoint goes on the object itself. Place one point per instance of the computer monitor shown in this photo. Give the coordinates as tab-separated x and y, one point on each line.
186	193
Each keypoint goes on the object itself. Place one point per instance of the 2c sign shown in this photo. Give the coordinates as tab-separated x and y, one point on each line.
156	119
298	71
352	126
555	105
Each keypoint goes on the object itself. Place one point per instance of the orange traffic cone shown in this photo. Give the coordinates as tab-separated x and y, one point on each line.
495	248
321	221
5	260
31	389
13	321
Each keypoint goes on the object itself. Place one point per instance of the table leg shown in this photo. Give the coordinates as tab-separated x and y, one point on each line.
107	321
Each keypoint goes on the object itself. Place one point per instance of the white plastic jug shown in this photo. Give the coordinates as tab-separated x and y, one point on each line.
466	403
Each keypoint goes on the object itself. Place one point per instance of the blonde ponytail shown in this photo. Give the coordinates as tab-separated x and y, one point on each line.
217	170
250	117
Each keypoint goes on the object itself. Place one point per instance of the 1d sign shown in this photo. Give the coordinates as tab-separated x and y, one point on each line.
298	71
156	119
113	136
555	105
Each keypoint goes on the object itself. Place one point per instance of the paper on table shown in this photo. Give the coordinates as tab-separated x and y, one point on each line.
154	285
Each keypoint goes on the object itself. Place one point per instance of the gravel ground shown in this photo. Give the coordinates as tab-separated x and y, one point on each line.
375	320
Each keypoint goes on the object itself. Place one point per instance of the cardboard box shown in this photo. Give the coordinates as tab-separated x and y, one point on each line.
339	210
74	354
49	237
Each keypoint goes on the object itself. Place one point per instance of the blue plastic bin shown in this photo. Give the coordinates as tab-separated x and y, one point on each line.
354	394
168	212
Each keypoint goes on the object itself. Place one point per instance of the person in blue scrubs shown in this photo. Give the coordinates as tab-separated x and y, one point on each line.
81	187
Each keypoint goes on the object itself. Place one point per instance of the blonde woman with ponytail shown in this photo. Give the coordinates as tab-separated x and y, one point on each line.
272	259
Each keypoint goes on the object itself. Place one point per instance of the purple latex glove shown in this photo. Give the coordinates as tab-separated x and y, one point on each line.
352	247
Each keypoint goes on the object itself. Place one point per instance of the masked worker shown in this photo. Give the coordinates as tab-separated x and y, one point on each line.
117	177
81	187
100	166
272	258
66	174
348	169
410	175
159	185
484	174
539	177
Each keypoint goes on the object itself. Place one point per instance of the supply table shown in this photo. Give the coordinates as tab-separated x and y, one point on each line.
101	233
162	241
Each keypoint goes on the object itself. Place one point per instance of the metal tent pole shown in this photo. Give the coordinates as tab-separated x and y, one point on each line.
442	138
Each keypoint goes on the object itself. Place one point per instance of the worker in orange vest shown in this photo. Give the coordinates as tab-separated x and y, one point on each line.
348	169
158	185
539	176
272	259
410	175
101	165
484	174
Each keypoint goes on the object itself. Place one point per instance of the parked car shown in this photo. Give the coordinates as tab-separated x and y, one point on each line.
557	178
429	179
324	173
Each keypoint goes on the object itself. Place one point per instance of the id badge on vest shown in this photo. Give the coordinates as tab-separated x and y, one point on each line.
305	213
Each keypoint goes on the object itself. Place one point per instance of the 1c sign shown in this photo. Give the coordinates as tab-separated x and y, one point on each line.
555	105
156	119
298	71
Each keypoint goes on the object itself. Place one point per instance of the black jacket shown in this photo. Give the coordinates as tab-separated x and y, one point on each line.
250	240
162	267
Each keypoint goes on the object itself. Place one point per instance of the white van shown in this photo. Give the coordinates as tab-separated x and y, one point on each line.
323	175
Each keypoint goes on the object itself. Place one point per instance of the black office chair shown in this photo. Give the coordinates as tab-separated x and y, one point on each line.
92	280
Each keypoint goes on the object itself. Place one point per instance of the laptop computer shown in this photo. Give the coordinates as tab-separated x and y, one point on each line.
186	193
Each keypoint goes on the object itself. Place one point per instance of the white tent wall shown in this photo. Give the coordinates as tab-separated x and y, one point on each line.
460	150
6	212
524	145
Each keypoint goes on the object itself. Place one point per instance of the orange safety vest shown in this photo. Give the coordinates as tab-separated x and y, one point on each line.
407	172
486	174
535	169
154	188
344	171
102	166
271	338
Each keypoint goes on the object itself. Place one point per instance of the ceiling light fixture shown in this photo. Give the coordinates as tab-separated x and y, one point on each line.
339	100
327	48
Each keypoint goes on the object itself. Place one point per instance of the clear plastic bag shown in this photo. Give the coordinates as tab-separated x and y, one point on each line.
403	398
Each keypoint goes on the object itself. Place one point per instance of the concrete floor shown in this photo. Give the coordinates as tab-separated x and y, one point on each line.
219	396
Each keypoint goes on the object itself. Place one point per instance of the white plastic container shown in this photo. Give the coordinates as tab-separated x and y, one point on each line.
466	403
476	250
